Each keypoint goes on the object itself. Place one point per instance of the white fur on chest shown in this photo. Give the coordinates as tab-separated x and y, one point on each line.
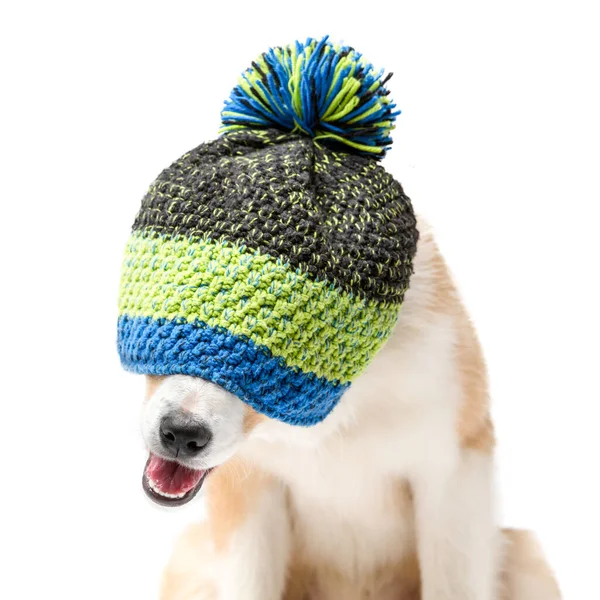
348	498
344	510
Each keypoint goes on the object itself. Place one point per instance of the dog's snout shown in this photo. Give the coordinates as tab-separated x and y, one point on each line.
183	438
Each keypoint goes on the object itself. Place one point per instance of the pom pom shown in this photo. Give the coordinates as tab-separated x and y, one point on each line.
327	92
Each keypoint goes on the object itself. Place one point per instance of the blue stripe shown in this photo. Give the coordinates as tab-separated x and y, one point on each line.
265	382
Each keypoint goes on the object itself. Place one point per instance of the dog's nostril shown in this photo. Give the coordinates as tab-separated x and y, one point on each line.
183	438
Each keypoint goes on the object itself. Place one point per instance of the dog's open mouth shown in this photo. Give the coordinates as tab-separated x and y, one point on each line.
170	483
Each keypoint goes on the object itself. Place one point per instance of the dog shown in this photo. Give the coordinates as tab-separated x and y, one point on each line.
391	497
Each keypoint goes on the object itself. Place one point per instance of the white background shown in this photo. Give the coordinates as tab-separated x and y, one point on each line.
497	145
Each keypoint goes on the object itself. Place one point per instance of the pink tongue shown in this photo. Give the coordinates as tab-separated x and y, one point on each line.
171	477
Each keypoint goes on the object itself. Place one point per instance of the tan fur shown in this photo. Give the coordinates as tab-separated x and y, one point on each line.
152	383
400	581
475	427
251	419
525	558
188	576
231	491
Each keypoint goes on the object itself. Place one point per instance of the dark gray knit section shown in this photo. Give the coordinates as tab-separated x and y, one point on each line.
335	215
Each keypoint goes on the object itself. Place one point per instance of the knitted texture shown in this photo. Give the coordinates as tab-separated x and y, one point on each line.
268	263
253	296
337	216
164	347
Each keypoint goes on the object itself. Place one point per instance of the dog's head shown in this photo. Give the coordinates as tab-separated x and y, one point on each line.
190	426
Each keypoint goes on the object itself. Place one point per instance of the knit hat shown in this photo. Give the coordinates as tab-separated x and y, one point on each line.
273	260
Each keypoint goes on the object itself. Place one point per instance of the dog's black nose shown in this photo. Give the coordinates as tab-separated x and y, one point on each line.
184	439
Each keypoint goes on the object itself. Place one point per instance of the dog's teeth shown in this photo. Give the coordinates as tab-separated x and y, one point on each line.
156	489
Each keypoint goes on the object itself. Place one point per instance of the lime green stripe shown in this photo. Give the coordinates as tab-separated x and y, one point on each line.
310	324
